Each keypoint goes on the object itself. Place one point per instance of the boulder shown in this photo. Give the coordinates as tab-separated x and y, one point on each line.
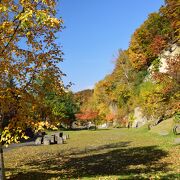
177	141
38	141
64	137
176	129
103	126
139	119
67	136
163	133
52	139
59	140
46	141
173	50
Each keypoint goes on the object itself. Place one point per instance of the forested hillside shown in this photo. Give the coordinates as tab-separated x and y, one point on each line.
82	97
146	75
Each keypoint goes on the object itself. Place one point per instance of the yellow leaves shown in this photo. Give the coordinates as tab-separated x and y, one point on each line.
14	8
25	137
25	18
51	3
46	1
40	126
43	17
54	22
137	59
28	33
12	135
3	8
26	15
22	1
6	24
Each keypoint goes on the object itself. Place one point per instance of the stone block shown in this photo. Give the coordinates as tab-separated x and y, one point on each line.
177	141
64	137
52	139
67	136
176	129
59	140
163	133
46	141
38	141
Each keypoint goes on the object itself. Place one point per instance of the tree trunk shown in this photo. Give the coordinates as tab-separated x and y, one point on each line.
2	172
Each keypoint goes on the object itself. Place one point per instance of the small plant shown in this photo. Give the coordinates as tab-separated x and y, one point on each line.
177	118
156	64
176	128
131	118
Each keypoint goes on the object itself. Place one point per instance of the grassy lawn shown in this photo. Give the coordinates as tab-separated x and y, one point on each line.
102	154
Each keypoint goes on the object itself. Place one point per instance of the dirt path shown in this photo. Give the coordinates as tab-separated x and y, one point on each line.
16	145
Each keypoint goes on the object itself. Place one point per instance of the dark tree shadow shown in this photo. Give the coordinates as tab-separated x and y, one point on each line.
113	159
89	149
170	177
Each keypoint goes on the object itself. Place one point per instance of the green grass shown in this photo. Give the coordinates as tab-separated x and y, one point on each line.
103	154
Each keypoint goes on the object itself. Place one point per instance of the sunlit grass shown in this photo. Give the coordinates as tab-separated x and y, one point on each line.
102	154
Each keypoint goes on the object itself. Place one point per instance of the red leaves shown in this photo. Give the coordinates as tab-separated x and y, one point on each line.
157	45
174	67
87	115
110	117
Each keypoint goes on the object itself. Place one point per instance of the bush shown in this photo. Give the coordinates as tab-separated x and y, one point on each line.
177	117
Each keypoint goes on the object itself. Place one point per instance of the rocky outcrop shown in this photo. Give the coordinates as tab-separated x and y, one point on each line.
139	118
114	110
173	50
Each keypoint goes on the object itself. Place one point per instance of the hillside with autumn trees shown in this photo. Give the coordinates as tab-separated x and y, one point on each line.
146	76
32	94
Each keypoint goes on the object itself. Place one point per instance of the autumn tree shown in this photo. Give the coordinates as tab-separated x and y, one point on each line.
149	40
28	45
82	97
27	38
171	12
114	92
173	66
63	108
88	116
102	96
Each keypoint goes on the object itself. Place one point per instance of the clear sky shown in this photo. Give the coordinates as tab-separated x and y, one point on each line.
95	30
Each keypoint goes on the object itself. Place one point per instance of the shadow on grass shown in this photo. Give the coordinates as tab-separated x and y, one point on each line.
90	149
102	161
170	176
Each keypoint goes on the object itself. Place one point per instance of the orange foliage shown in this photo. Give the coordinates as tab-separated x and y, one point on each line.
157	45
87	115
110	117
138	60
174	67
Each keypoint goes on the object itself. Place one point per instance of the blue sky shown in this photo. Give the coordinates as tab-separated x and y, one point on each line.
95	30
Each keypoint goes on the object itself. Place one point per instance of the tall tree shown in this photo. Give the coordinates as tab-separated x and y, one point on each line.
27	47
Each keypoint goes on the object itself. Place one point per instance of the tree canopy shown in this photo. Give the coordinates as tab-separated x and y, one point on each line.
28	55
